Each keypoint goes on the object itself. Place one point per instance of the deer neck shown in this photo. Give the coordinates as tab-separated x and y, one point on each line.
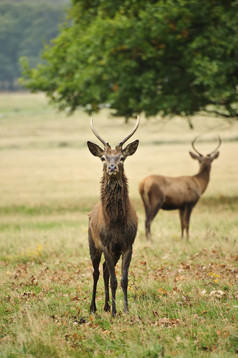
114	198
203	177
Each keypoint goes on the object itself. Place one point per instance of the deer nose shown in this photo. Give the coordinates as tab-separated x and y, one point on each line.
112	167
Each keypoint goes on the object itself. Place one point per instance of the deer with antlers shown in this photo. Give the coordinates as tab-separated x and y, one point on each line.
113	220
176	193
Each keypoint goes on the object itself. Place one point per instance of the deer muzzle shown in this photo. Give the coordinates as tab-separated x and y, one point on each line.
112	169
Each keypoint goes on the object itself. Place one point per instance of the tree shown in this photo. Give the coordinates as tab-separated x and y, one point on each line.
173	57
24	27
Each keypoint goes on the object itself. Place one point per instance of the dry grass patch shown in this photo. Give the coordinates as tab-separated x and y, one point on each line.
182	295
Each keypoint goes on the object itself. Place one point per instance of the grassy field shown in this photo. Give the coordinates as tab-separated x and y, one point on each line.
182	295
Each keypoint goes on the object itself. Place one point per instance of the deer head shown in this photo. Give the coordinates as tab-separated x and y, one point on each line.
206	159
113	159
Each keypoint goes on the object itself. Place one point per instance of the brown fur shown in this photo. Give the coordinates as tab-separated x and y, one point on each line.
112	223
175	193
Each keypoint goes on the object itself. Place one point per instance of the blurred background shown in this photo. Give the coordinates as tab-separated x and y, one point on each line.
114	61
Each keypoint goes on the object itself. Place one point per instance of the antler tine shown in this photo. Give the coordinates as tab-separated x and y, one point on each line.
218	146
96	134
132	132
193	145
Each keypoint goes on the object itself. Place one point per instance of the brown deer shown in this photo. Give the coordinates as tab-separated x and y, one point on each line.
176	193
113	220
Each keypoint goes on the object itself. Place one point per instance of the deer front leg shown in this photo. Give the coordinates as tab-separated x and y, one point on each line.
111	263
106	287
113	283
181	215
95	261
126	260
188	212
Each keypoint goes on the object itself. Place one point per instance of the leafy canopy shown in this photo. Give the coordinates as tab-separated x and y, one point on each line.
173	57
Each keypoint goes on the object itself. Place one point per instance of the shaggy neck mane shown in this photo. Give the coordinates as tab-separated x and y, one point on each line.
114	198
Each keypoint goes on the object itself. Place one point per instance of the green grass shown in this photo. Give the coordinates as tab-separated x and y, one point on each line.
182	295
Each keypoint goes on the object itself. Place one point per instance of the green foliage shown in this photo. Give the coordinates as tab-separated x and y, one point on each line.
173	58
24	28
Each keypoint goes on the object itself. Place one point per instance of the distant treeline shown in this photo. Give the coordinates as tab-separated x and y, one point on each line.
25	26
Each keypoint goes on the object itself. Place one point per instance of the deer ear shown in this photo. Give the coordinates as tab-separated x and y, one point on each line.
95	149
216	155
194	156
130	148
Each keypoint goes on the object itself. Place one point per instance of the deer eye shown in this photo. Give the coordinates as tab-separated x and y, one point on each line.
122	159
103	159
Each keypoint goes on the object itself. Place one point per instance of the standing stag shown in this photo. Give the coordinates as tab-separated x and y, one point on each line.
113	220
179	193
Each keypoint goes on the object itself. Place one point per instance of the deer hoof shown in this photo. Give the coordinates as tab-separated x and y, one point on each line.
107	308
93	309
114	313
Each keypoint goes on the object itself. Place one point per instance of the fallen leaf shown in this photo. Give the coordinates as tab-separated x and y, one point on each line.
162	291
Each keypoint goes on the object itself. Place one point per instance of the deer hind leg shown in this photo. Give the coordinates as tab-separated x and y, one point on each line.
106	287
153	201
147	206
147	221
152	212
95	255
126	260
147	229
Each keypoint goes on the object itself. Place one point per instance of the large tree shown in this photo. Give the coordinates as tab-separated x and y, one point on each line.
172	57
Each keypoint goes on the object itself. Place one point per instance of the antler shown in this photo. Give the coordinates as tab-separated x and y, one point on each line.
132	132
96	133
218	146
193	145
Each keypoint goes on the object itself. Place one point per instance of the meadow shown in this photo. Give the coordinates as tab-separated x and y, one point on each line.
183	296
